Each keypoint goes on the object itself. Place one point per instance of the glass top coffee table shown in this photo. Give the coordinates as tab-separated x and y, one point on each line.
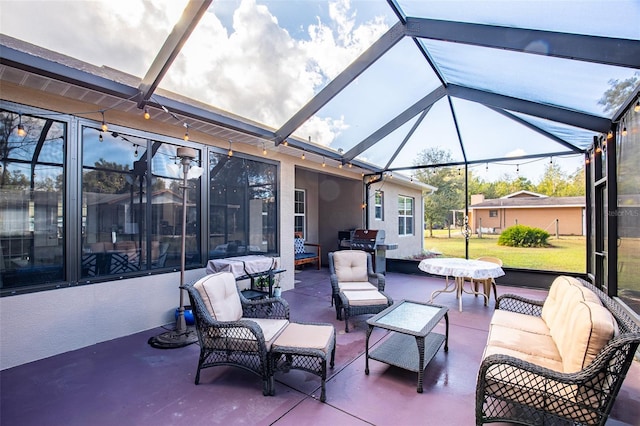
412	344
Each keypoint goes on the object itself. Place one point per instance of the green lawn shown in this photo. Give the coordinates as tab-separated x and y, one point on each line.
566	254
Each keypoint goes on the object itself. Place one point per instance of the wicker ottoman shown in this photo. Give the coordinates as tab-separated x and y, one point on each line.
304	347
362	302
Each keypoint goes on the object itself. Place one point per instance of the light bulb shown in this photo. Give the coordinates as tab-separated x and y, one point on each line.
100	138
624	131
104	126
146	113
21	131
637	107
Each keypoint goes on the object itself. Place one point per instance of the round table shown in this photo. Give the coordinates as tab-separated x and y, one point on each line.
460	269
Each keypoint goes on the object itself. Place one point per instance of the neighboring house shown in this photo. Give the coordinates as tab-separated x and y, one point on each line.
562	215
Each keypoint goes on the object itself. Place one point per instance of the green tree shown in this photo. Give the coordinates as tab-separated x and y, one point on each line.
619	92
554	181
104	180
448	181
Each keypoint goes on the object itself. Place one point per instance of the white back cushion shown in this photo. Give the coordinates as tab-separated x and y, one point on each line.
350	265
590	326
220	296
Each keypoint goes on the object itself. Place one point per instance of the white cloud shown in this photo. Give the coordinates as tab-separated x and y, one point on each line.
261	72
516	153
255	69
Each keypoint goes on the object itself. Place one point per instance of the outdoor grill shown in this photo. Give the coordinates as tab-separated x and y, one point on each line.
372	241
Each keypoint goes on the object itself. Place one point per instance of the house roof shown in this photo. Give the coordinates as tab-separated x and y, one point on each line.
523	193
530	202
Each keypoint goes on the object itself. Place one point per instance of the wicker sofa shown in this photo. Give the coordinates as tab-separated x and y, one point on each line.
557	361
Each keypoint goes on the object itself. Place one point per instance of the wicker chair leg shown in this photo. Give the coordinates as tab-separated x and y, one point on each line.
197	381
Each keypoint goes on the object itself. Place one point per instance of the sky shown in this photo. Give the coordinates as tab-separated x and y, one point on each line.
265	59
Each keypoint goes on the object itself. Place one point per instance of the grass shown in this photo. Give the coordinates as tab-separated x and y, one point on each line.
565	254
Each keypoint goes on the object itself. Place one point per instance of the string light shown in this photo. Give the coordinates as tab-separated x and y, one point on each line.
624	129
286	143
610	134
340	165
230	152
323	163
104	126
551	160
264	149
303	157
21	131
486	168
135	153
100	138
146	113
517	168
350	165
636	108
186	132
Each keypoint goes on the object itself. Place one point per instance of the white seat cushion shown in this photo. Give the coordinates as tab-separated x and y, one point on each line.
309	336
365	298
356	286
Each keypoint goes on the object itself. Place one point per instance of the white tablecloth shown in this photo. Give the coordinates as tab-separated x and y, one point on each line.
241	265
457	267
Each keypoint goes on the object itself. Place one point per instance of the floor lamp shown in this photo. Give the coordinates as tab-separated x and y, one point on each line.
181	335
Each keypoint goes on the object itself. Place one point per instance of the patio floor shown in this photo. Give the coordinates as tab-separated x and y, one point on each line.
127	382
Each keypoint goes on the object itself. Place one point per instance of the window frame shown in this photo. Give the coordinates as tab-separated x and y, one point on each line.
405	219
378	205
220	248
298	215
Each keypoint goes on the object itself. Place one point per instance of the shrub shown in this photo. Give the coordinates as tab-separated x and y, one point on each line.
523	236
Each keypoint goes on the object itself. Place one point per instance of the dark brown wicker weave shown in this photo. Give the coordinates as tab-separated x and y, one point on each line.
311	360
236	343
512	390
352	311
376	279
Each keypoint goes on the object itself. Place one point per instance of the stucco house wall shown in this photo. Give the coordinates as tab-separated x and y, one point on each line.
408	245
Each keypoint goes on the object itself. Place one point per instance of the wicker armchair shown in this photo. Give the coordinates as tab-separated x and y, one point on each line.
513	390
355	288
352	270
233	330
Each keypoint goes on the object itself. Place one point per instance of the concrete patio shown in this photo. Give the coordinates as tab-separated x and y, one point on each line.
127	382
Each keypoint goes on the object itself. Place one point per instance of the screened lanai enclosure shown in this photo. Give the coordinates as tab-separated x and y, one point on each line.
94	108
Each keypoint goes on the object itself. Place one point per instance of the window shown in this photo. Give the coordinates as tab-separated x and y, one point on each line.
132	206
242	205
379	210
32	229
493	213
405	215
299	210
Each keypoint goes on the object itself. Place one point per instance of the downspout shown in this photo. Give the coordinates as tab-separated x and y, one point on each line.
365	205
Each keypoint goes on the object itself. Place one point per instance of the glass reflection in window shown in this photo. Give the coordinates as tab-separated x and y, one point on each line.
243	206
31	200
